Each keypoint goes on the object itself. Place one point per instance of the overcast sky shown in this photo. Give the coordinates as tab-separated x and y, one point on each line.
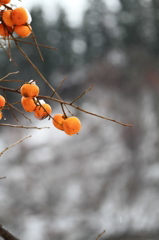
73	8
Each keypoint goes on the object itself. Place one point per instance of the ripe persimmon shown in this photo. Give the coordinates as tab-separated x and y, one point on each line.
43	110
4	1
23	30
2	102
29	90
20	16
1	115
71	125
58	121
6	16
28	104
4	30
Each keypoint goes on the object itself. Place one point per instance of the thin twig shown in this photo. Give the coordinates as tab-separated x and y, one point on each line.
99	116
63	110
89	89
8	75
1	178
9	89
10	108
21	140
11	80
8	104
37	44
59	85
14	103
100	235
6	235
21	126
20	112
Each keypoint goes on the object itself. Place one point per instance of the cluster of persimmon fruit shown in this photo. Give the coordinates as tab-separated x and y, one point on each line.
14	20
29	91
17	20
70	125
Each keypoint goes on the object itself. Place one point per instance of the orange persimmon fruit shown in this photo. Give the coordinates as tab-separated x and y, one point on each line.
6	16
20	16
4	30
2	102
58	121
4	1
43	110
23	30
71	125
1	115
29	90
28	104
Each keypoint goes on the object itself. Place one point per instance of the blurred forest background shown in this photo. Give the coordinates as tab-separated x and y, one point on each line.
107	177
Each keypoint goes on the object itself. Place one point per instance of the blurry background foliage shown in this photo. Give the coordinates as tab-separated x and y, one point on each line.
108	176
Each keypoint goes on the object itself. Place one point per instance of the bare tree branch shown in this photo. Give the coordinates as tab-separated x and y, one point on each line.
72	105
20	126
2	178
21	140
100	235
8	75
6	235
85	111
90	88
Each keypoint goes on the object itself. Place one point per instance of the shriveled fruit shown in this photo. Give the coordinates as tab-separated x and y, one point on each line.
23	30
58	121
4	1
6	16
42	111
20	16
2	102
30	90
71	125
4	30
28	104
